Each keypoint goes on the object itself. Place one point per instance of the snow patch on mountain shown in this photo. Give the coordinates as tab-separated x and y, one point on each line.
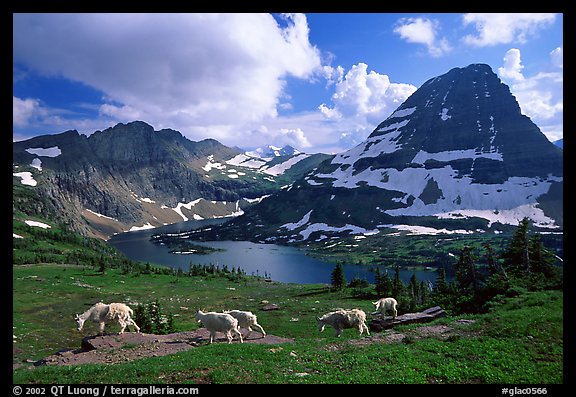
26	178
260	159
279	169
323	227
53	151
292	226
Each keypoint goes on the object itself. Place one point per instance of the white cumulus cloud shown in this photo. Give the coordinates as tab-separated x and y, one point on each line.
504	28
423	31
512	68
23	110
364	99
191	72
557	57
540	96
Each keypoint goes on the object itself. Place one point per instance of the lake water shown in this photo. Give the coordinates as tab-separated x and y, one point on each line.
280	263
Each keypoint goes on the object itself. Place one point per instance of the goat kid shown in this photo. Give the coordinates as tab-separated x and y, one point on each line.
385	304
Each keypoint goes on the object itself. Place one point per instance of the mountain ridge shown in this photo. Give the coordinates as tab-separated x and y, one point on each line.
130	176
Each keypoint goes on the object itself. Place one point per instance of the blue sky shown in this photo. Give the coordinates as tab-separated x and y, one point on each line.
320	82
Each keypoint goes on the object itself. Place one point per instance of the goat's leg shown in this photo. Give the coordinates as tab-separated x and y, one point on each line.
240	335
101	327
122	326
249	332
132	322
261	329
364	327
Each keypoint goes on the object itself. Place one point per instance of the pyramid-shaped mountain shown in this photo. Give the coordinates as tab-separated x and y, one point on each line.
457	154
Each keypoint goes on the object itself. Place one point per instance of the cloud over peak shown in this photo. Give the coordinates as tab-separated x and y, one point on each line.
504	28
423	31
199	69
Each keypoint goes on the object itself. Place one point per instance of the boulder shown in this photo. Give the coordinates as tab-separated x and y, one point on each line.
384	322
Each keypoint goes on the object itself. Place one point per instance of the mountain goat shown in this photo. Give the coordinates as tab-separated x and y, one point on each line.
384	304
102	313
219	322
246	320
341	319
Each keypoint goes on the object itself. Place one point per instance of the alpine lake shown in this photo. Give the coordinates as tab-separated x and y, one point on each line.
276	262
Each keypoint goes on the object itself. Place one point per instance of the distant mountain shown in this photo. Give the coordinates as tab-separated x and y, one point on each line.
270	151
457	155
559	143
130	176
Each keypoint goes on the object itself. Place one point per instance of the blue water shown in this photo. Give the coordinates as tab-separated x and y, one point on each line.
280	263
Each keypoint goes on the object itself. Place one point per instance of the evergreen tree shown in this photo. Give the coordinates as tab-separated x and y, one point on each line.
517	257
425	288
541	260
466	275
338	278
397	285
494	267
383	283
440	284
414	292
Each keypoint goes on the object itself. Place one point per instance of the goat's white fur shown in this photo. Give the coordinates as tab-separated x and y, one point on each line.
246	320
341	319
102	313
384	304
219	322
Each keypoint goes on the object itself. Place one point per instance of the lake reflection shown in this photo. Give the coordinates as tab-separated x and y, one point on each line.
280	263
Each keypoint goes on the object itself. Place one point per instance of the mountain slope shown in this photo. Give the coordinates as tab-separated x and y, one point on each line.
130	176
457	154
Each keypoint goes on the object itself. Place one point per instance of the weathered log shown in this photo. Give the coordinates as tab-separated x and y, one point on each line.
384	322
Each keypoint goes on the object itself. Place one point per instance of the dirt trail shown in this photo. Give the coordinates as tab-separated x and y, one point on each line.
114	348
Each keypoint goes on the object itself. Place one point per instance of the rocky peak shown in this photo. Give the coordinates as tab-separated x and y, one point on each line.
457	148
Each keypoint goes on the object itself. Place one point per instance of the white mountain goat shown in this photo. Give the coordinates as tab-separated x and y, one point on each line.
384	304
246	320
102	313
341	319
219	322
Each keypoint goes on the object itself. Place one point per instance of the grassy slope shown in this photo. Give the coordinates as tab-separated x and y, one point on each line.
520	342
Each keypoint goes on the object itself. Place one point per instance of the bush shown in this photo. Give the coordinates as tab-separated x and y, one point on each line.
151	320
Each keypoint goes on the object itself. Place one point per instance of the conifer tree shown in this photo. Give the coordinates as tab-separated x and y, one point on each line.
517	257
338	278
414	292
397	285
383	283
466	275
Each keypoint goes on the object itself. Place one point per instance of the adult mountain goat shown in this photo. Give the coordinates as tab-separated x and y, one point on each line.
102	314
246	320
219	322
341	319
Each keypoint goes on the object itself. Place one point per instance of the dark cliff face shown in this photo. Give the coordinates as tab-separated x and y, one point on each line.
111	171
131	175
458	147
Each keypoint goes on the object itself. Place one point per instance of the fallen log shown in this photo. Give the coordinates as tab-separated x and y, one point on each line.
384	322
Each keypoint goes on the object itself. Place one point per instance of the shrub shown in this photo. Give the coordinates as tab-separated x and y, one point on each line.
151	320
